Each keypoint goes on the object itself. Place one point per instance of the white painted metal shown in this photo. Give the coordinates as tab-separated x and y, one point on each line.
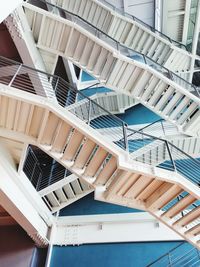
64	192
111	101
121	28
21	202
117	178
116	71
109	228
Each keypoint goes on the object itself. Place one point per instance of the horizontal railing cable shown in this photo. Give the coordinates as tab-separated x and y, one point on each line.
128	52
141	146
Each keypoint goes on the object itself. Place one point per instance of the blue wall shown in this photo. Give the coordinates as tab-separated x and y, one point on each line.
110	255
89	206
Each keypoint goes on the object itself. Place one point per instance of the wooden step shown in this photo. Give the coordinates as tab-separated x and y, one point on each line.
195	230
61	137
138	186
84	154
153	186
188	218
73	145
128	183
164	194
95	162
107	171
179	206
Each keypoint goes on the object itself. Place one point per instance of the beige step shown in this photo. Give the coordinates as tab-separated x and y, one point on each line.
128	183
73	145
95	162
138	186
164	194
179	206
195	230
84	154
149	190
188	218
61	137
107	171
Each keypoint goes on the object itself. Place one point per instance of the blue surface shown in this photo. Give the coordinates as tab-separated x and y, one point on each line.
138	114
110	255
89	206
92	91
86	77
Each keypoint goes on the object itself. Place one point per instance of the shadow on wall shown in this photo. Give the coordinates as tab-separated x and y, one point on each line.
18	250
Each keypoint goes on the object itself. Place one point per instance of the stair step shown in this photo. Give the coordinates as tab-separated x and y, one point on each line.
164	194
95	162
179	207
138	187
107	172
84	154
73	145
188	218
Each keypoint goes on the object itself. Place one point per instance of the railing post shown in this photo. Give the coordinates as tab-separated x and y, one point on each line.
170	261
170	155
125	137
56	85
89	112
39	182
163	127
15	75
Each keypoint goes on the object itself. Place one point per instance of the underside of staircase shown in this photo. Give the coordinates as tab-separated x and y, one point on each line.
174	99
170	196
123	166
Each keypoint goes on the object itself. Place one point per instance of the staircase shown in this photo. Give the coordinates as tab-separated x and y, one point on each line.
182	255
110	101
170	194
130	32
57	186
148	83
64	192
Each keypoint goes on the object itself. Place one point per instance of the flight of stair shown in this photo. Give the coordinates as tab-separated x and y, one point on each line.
52	181
101	163
110	101
130	33
117	72
64	192
156	152
181	255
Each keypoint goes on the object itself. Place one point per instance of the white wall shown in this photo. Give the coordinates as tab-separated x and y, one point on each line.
142	9
7	7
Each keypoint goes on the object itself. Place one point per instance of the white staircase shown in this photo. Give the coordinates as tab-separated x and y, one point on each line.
111	101
160	94
116	177
131	33
64	192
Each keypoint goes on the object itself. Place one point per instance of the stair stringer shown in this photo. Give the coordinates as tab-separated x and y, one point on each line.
115	71
126	31
135	177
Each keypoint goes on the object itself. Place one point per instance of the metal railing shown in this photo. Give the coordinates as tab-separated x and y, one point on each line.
117	131
120	47
42	176
183	255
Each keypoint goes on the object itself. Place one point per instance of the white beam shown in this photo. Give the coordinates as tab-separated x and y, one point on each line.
16	202
22	37
110	228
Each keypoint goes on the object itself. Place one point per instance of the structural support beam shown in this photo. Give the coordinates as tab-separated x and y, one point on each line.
25	44
111	228
15	201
